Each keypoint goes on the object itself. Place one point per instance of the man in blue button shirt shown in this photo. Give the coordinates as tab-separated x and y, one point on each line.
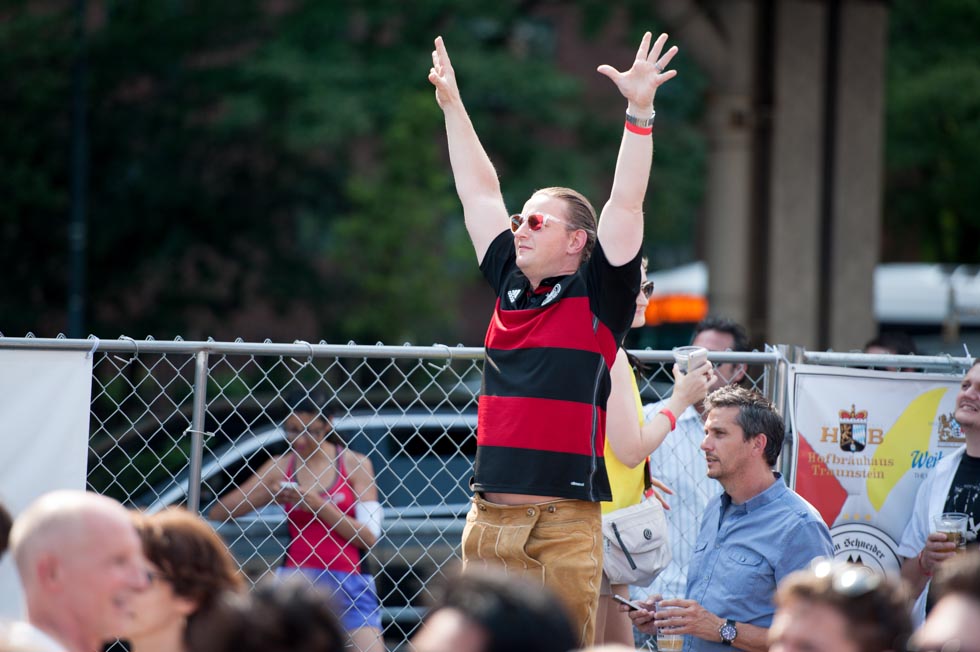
753	535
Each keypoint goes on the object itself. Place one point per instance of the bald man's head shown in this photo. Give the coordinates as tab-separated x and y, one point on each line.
56	520
80	561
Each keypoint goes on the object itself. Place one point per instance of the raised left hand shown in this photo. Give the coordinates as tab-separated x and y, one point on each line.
639	84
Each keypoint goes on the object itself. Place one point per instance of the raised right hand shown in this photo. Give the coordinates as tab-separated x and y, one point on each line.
442	76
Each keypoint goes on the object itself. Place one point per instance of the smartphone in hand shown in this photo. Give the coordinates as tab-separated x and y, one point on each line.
634	606
697	359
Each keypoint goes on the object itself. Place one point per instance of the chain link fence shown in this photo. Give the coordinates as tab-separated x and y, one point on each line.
184	423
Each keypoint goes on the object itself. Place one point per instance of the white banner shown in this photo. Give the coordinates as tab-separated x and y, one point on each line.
45	400
864	441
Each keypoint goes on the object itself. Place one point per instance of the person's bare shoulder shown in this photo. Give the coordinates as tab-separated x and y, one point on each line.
354	460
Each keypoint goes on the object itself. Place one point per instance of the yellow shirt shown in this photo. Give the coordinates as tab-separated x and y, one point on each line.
627	484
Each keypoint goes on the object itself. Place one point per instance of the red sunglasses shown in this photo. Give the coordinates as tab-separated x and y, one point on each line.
534	221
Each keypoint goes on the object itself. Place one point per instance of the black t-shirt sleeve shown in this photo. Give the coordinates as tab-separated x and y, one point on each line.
613	290
499	260
964	494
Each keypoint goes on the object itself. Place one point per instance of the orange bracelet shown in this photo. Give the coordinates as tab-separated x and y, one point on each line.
670	417
643	131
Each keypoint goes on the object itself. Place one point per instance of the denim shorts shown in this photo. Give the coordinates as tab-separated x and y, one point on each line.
353	594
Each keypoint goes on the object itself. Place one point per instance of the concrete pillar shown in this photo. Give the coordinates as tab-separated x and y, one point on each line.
825	219
729	123
821	200
795	190
727	202
858	172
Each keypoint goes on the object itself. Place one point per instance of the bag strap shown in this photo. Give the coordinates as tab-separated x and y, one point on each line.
622	546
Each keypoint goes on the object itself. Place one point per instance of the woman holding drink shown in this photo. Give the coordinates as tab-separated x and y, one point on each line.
628	475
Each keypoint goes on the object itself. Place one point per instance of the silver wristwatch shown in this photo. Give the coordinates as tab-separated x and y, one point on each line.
728	632
643	123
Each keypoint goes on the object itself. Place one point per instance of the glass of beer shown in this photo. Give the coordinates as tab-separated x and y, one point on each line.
953	525
666	640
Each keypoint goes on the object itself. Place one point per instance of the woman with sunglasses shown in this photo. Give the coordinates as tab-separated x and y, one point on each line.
189	568
626	456
331	504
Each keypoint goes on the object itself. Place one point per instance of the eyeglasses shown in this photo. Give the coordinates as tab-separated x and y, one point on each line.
314	428
534	221
647	289
849	580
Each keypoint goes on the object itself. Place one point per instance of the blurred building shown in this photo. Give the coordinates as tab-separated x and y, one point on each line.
791	225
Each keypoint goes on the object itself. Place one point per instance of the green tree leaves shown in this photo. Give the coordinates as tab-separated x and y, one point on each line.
278	169
933	146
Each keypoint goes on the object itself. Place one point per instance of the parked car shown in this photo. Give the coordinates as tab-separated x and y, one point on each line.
422	462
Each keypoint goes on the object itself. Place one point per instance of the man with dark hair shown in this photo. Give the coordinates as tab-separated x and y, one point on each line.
953	485
566	286
723	326
753	535
486	611
839	607
276	616
954	623
677	462
892	343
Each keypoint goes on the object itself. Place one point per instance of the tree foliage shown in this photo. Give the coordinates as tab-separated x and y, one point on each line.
933	139
278	169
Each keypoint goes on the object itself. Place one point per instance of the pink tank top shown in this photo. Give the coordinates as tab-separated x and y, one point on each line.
312	543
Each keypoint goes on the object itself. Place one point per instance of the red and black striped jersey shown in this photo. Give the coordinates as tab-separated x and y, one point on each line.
542	411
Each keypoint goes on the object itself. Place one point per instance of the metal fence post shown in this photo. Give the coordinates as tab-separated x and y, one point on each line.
788	354
197	432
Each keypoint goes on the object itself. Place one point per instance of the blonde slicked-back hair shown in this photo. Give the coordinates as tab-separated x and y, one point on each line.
581	215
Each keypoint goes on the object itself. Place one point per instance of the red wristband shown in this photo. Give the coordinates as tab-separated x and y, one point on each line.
642	131
922	566
670	417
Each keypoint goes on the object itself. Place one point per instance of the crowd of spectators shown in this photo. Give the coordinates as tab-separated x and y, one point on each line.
762	574
191	598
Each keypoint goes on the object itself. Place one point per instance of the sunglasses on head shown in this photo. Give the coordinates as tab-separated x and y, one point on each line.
851	580
534	221
647	288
